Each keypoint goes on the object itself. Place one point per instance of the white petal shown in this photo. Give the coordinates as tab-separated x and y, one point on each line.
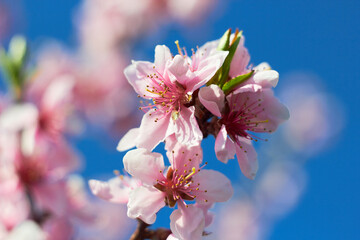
162	56
19	117
144	203
187	223
266	78
128	140
214	186
144	165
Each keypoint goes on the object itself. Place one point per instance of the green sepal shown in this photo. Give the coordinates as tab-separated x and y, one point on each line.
226	66
18	50
13	62
233	83
224	41
223	46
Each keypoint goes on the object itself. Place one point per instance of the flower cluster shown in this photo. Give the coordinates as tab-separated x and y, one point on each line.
38	192
186	98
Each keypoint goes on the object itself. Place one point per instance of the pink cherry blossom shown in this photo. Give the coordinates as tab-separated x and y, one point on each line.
189	10
182	181
250	108
169	83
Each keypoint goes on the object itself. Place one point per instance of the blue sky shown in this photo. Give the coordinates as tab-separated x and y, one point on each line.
318	37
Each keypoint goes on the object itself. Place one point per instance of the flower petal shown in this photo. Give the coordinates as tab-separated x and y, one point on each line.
128	140
19	117
206	70
154	128
214	186
113	190
162	56
186	127
247	158
267	78
144	203
179	153
224	146
187	223
144	165
213	98
179	71
137	73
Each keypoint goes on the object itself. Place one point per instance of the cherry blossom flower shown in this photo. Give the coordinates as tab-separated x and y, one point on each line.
182	181
169	84
250	108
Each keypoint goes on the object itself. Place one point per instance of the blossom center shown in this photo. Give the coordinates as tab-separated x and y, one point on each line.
243	117
166	96
179	184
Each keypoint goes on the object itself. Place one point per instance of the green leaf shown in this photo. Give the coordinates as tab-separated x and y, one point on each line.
224	41
230	85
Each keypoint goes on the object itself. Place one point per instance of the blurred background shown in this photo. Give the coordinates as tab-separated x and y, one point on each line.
308	182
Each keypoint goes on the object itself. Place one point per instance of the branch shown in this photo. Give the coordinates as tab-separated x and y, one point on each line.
142	232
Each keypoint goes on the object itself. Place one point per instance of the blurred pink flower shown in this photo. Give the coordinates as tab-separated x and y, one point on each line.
102	93
316	116
188	10
27	230
104	25
253	213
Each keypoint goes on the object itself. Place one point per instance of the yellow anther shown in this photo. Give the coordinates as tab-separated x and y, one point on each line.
193	171
178	47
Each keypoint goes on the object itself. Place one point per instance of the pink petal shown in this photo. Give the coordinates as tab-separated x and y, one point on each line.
128	140
213	98
206	70
240	60
187	223
113	191
186	127
162	56
179	71
214	186
144	203
247	158
144	165
224	146
154	128
137	74
182	153
209	216
277	112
